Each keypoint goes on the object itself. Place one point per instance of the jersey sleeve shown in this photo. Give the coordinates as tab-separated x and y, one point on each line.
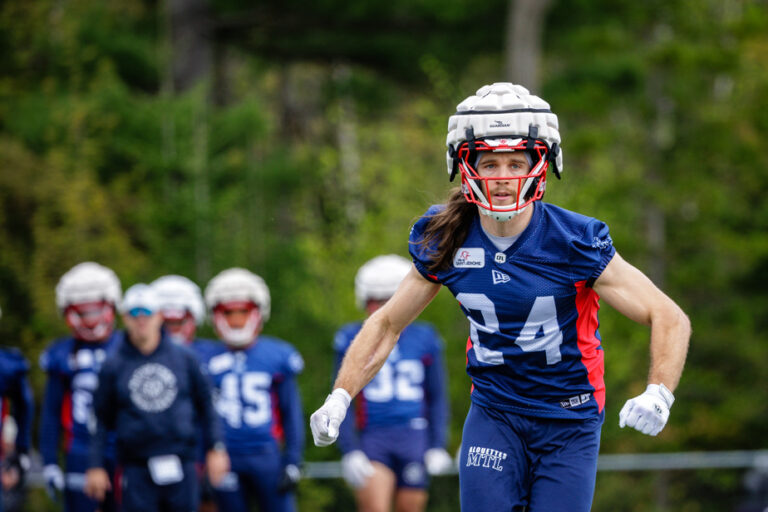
53	398
419	253
592	252
22	401
293	363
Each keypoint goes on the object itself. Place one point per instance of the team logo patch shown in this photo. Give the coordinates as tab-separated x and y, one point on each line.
602	244
153	387
500	257
499	277
413	473
469	257
480	456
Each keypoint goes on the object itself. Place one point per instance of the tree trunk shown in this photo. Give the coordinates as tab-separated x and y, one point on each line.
525	26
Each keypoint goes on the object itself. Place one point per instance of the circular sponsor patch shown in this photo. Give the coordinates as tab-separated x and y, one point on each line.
413	473
153	387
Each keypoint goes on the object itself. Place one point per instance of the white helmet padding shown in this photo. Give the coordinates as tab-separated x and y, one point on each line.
180	293
503	117
88	282
379	278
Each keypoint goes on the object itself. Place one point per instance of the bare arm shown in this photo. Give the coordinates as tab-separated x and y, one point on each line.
380	332
632	294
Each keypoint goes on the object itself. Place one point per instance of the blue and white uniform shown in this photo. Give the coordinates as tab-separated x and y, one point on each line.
258	401
16	392
72	368
406	400
534	355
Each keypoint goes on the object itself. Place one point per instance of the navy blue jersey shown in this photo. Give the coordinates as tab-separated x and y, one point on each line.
409	389
257	398
154	402
72	368
533	347
14	386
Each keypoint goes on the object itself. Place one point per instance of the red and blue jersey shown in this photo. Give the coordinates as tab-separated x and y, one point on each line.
534	346
15	389
72	368
257	398
408	390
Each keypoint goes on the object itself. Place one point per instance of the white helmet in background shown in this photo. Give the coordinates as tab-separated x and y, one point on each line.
238	289
378	278
87	296
503	117
181	304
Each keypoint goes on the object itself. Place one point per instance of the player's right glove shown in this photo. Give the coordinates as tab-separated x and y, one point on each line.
356	468
649	412
54	480
325	421
437	461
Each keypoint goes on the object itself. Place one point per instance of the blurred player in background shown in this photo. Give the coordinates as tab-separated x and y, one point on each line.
16	393
154	397
256	396
183	311
406	401
87	296
528	275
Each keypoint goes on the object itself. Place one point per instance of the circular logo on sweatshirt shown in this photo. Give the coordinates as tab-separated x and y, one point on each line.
153	387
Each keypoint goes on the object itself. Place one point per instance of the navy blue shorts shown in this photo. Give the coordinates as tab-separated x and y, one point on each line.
401	449
510	461
254	478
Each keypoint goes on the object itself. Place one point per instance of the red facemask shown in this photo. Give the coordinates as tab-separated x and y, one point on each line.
91	321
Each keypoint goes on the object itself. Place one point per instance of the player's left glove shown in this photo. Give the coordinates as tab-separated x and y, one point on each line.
437	461
290	478
648	413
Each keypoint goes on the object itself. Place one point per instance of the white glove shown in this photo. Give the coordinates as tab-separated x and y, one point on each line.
648	413
54	480
437	461
356	468
325	421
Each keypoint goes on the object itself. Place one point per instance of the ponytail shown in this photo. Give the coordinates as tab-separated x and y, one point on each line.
447	230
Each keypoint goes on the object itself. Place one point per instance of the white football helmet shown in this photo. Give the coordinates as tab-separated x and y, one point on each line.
503	117
181	304
87	296
238	288
378	278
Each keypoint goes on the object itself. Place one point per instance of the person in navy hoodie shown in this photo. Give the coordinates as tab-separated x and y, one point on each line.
153	394
14	386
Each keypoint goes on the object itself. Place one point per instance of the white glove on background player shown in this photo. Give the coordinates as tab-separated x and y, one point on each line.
356	468
437	461
54	480
325	421
648	413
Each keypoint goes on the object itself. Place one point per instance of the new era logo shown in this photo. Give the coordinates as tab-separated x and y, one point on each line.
499	277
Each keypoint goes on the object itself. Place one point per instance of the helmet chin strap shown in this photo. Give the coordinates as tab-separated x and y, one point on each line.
503	216
242	336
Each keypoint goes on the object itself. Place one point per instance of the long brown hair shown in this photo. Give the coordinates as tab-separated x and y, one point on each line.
447	230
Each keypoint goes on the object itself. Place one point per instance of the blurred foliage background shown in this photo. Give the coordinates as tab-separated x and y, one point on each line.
301	139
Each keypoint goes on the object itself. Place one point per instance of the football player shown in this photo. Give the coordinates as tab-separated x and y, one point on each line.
406	400
183	310
256	396
528	275
87	296
16	392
